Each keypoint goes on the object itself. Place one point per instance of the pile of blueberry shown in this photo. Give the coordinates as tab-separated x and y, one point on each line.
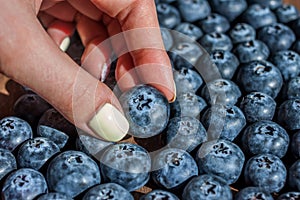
232	133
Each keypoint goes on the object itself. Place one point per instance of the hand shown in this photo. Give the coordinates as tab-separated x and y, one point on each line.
29	56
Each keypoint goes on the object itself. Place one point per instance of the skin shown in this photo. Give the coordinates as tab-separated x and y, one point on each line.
32	31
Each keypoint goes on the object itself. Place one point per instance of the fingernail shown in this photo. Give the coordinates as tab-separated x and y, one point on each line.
174	97
65	44
109	123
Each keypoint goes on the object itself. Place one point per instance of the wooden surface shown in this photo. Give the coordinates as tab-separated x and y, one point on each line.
294	2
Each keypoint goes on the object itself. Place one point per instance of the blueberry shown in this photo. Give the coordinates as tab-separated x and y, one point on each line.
224	122
187	80
265	171
193	10
159	195
168	15
188	104
185	54
108	191
277	37
221	91
13	131
222	158
54	196
58	137
214	23
189	30
295	26
185	133
173	167
289	196
260	76
294	177
272	4
258	106
289	114
127	165
288	62
167	38
7	163
24	184
296	46
34	153
146	109
30	107
252	50
248	193
231	9
72	172
214	41
242	32
265	137
208	187
295	144
286	13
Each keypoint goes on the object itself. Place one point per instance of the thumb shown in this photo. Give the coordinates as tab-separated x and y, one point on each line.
30	57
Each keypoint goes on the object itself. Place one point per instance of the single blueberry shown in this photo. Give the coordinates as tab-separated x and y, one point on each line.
224	122
146	109
248	193
30	107
173	167
221	91
259	16
7	162
108	191
288	62
226	62
72	172
13	132
126	164
296	46
272	4
185	133
260	76
208	187
189	30
289	114
193	10
265	171
214	41
252	50
242	32
34	153
24	184
58	137
277	37
187	80
286	13
222	158
167	38
188	104
265	137
289	196
54	196
158	194
231	9
294	175
295	144
295	26
258	106
214	23
168	15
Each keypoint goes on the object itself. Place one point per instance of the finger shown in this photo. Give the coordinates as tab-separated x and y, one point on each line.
63	11
49	3
45	19
61	32
144	42
82	99
86	8
96	56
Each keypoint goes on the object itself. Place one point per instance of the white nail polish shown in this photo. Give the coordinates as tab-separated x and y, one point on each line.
65	44
109	123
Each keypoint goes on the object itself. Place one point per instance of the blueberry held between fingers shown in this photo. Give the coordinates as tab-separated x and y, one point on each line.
146	110
7	162
13	131
24	183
